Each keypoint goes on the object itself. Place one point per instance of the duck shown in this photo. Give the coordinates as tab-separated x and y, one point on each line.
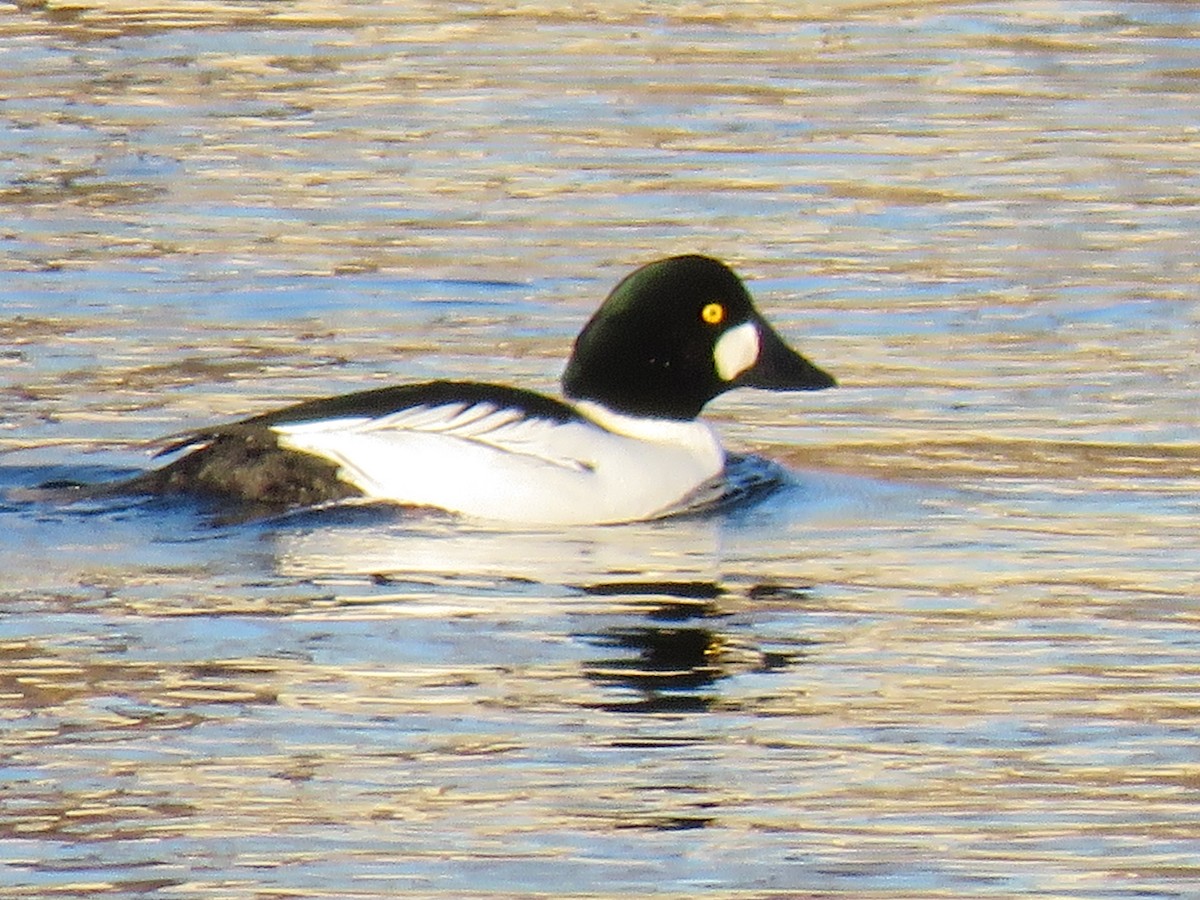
625	443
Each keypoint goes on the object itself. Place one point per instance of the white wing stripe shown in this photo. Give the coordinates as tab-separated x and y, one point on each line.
506	429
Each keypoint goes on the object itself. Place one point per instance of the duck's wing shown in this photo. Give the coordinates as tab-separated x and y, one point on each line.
384	402
510	420
330	449
462	408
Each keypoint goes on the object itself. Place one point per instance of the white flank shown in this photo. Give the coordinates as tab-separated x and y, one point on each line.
736	350
491	462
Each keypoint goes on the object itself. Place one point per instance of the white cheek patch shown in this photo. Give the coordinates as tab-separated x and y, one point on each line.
736	350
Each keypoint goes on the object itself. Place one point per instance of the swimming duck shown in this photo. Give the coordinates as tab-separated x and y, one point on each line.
625	444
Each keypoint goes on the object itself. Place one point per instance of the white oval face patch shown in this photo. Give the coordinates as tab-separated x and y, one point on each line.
736	350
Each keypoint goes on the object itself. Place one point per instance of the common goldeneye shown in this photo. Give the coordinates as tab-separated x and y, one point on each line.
625	445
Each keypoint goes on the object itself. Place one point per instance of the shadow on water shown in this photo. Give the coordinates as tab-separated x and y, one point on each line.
654	596
674	661
678	557
443	676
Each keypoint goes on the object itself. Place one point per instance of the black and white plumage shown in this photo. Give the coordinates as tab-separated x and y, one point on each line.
626	445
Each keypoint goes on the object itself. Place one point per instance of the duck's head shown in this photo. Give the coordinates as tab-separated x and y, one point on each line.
675	334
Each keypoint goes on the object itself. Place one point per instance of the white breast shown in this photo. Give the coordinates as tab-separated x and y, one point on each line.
493	462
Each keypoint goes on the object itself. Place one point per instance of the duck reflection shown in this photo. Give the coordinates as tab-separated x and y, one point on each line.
377	543
662	615
669	669
673	661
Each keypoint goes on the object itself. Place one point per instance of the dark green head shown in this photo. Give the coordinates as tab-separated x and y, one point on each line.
675	334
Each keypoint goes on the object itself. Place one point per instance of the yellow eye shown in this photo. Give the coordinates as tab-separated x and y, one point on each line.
713	313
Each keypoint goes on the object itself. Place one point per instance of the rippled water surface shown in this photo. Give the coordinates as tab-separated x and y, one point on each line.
957	658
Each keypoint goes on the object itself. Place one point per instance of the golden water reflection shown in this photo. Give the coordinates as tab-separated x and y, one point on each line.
957	658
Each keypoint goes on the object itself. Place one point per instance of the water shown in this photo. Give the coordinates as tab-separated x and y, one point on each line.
957	658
